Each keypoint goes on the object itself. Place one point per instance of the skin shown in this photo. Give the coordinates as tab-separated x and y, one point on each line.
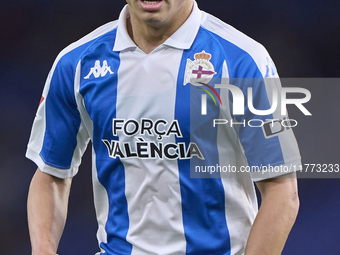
48	196
149	29
276	216
47	211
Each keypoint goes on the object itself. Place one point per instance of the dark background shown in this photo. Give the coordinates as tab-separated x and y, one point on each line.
303	38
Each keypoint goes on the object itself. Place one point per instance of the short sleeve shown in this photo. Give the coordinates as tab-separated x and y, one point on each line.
268	140
58	137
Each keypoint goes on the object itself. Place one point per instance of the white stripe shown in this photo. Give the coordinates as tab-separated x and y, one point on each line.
152	185
240	204
101	203
101	199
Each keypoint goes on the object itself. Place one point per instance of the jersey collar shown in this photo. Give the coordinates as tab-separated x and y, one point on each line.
181	39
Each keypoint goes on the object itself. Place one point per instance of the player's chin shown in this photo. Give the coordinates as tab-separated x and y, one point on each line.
153	19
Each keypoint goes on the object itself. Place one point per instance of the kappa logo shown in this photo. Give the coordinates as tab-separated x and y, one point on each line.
99	71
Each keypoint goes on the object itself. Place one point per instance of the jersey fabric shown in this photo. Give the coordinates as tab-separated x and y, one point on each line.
149	135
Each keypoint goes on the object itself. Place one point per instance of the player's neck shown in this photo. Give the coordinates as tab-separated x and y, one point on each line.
148	37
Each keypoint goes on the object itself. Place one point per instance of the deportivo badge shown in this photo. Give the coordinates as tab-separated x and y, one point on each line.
199	71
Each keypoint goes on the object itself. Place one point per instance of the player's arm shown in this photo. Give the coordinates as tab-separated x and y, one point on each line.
47	210
276	216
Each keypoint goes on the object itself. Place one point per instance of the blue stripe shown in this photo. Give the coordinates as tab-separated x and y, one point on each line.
203	200
62	117
100	96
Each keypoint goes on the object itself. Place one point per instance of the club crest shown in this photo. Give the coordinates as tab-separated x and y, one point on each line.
199	71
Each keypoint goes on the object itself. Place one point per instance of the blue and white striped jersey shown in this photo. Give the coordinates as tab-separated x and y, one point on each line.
149	132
